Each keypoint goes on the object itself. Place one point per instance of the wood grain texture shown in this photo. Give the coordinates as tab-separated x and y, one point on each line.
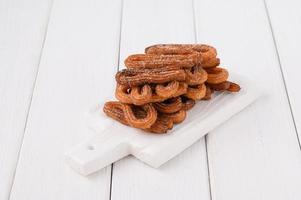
285	18
78	62
22	31
256	156
184	177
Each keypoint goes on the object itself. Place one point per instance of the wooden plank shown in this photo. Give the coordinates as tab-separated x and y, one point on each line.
76	71
285	18
256	155
184	177
21	39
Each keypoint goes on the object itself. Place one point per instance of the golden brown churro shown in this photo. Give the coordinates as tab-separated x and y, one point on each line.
141	95
149	61
207	53
187	103
217	75
196	92
195	76
125	114
132	78
208	94
170	105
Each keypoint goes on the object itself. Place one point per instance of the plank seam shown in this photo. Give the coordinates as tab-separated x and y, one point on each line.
111	183
120	32
207	156
281	70
118	63
208	168
30	100
194	22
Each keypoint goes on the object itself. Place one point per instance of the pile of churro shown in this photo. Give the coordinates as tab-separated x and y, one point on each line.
157	88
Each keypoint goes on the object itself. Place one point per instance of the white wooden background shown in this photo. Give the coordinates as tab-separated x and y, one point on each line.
59	57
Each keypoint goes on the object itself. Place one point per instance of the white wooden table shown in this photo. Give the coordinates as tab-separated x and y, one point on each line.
59	57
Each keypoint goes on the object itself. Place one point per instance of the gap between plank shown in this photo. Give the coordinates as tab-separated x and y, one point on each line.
208	168
111	178
281	70
30	100
118	63
194	22
120	31
205	137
